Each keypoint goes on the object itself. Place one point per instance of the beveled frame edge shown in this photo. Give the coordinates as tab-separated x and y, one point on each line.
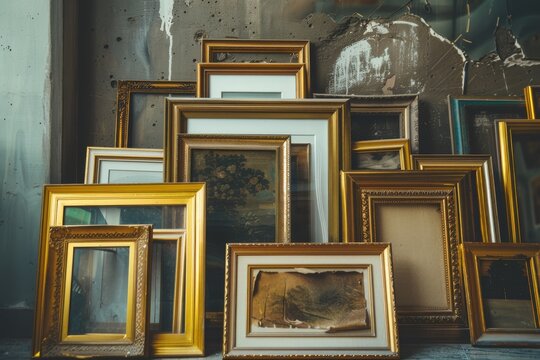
505	147
299	47
530	102
337	115
189	194
454	115
281	145
400	145
123	100
96	154
485	180
299	249
52	327
407	104
448	182
205	70
470	253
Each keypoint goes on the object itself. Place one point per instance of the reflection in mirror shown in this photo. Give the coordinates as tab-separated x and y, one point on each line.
161	217
98	294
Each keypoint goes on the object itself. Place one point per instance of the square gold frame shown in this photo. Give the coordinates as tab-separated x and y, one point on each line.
293	255
532	101
126	88
363	191
297	48
400	145
482	167
55	340
334	112
190	195
206	70
480	334
506	129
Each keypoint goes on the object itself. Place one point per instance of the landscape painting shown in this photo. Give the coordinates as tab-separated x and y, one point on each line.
376	160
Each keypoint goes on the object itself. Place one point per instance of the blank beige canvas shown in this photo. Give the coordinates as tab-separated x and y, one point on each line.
415	232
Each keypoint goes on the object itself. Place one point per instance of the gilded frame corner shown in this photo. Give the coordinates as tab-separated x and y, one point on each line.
233	301
126	88
55	341
480	333
532	101
400	145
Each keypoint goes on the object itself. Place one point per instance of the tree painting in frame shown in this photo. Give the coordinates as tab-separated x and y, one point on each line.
247	178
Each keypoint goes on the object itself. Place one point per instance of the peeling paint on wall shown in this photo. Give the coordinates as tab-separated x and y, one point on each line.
166	15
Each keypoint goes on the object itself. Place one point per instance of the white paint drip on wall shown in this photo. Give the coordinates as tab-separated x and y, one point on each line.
376	29
519	59
166	16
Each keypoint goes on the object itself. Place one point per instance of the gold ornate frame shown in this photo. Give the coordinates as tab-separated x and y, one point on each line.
186	143
126	88
192	197
480	333
206	70
334	112
96	155
400	145
486	200
294	256
532	101
63	240
506	129
297	48
364	191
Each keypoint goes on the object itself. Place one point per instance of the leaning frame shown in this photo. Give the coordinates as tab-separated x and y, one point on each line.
532	101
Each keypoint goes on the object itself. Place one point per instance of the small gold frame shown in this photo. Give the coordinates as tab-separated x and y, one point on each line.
480	333
297	48
55	340
482	168
506	130
532	101
336	256
400	145
126	88
365	194
192	196
335	112
206	70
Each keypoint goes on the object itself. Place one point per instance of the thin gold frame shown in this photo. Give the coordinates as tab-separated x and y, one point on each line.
55	340
335	112
400	145
483	174
362	190
382	250
480	334
299	48
281	145
126	88
206	70
532	96
193	196
96	155
505	132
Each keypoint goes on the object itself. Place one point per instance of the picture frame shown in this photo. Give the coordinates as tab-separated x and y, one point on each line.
532	101
245	80
414	210
73	326
151	124
364	326
518	144
502	288
248	196
172	207
381	155
283	51
472	121
108	165
320	123
485	201
381	117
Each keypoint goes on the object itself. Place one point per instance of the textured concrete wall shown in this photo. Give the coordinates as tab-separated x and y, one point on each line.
24	144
